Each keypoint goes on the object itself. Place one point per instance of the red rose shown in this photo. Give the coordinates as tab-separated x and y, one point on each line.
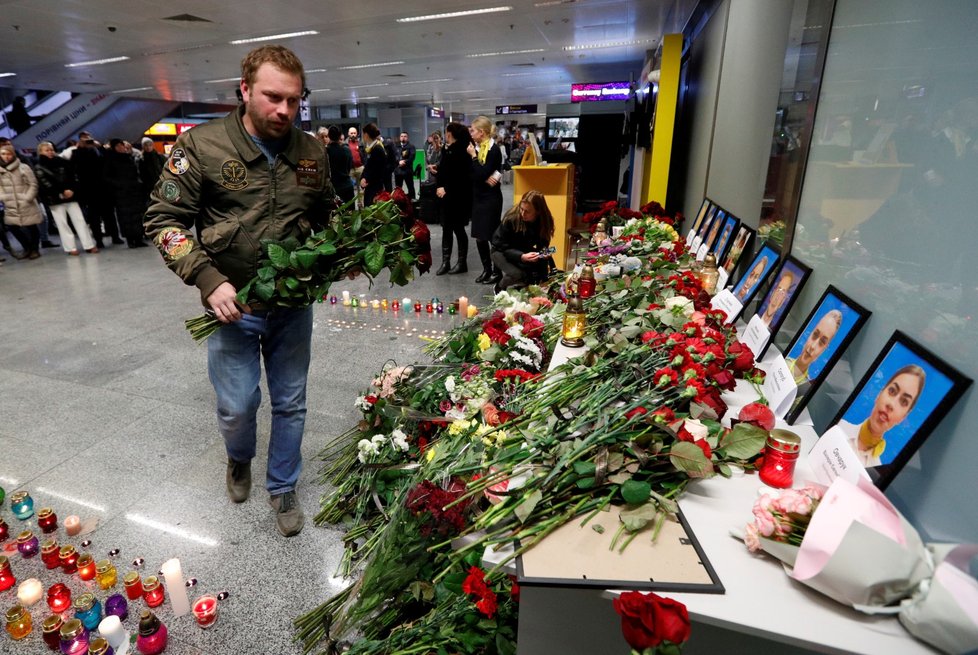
649	619
757	414
724	379
424	262
743	358
711	398
705	447
422	236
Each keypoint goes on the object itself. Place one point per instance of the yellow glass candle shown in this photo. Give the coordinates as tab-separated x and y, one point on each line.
575	323
107	574
19	623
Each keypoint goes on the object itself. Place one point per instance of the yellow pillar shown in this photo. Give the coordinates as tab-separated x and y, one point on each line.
656	182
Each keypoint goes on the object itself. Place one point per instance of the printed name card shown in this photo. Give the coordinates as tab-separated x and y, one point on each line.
696	244
756	335
728	302
690	237
722	278
779	386
833	457
701	252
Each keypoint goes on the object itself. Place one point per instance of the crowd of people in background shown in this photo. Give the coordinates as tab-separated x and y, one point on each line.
89	192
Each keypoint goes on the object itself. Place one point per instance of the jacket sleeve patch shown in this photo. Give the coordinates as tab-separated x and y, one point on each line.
173	243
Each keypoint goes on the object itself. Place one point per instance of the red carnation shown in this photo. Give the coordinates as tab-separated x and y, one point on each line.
663	415
665	377
638	411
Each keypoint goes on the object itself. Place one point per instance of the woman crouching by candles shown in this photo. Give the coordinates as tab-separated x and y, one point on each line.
520	244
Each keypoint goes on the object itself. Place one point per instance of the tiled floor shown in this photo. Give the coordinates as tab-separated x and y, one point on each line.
106	412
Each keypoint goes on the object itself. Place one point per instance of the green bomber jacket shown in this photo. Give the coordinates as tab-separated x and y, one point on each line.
217	199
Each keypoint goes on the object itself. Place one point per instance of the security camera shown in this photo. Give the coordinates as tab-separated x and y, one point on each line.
112	28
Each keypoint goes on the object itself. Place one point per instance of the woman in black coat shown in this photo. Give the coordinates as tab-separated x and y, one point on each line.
453	179
520	246
340	163
122	179
375	165
487	195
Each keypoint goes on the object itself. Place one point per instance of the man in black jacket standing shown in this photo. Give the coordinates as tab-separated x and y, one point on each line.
405	164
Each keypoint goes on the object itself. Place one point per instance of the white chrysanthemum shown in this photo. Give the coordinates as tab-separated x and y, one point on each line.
400	440
450	383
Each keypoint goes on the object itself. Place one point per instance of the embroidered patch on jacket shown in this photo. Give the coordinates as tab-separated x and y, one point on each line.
173	243
307	174
234	175
170	191
179	163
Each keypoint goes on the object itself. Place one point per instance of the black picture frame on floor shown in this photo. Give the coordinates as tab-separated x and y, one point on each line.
781	296
764	261
740	244
700	215
833	323
886	396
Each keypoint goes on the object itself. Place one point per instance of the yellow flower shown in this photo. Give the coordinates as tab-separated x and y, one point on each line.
484	341
458	427
430	453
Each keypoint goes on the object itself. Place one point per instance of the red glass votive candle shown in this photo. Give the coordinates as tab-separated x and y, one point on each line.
86	567
7	578
69	559
780	454
396	306
59	598
429	308
153	591
47	520
417	307
51	631
133	585
4	530
205	611
49	554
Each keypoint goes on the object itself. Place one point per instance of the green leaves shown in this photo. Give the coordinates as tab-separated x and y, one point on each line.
688	457
373	258
743	441
525	508
635	492
279	256
637	518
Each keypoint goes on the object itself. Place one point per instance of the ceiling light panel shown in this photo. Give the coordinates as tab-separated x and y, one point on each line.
608	44
140	88
454	14
274	37
7	74
506	52
96	62
225	79
359	66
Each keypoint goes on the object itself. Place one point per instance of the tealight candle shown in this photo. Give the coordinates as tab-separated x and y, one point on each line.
383	304
205	611
4	530
72	525
346	297
69	558
18	622
30	591
27	544
332	300
406	302
86	567
59	598
112	631
375	303
7	579
49	553
22	505
463	306
440	308
51	631
355	302
396	306
152	591
429	307
417	307
453	308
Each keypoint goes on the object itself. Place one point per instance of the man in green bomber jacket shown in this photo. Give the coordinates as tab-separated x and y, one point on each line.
227	185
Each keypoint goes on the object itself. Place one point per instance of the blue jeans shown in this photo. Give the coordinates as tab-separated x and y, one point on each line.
283	337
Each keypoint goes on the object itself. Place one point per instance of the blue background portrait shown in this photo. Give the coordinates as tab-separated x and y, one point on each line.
726	232
849	319
936	387
798	276
772	260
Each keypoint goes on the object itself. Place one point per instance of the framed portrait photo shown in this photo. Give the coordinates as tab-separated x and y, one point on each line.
700	215
738	246
760	267
724	239
713	233
897	404
704	227
781	295
817	346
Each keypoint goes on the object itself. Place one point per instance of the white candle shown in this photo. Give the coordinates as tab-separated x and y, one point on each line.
175	588
72	525
112	631
346	295
405	302
30	591
463	307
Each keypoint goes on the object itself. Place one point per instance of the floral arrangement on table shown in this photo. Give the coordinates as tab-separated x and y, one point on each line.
654	210
612	213
850	543
385	235
485	447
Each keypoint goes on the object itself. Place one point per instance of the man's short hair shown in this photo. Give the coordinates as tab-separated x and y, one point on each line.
278	56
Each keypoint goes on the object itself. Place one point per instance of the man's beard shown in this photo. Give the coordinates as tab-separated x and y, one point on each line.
266	129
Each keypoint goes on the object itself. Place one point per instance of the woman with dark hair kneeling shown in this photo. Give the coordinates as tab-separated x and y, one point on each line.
520	242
